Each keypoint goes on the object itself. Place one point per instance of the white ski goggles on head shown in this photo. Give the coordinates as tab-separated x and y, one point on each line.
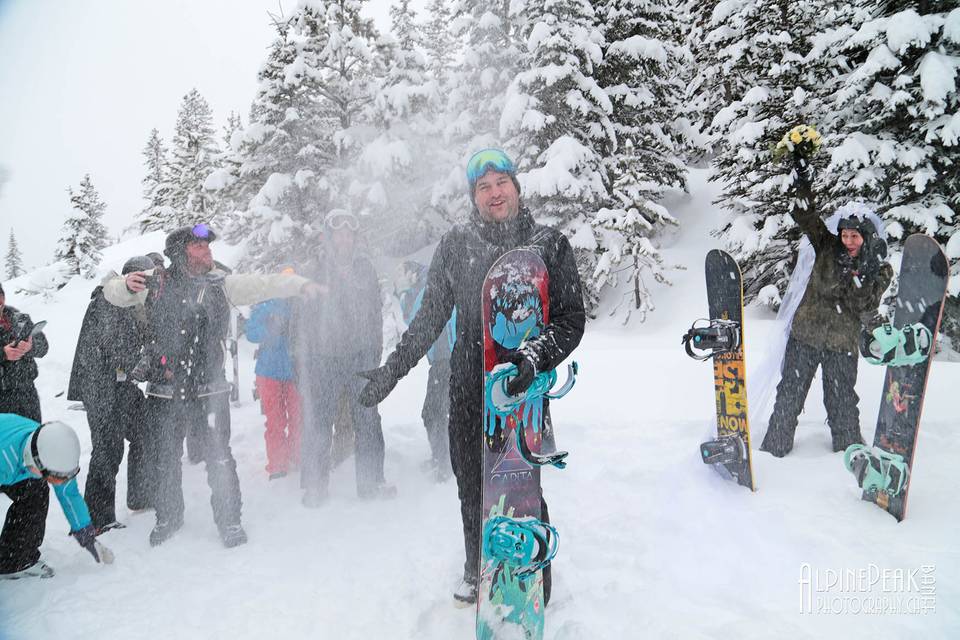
340	218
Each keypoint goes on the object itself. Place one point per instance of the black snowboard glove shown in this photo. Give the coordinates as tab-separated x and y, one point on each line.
87	538
526	372
382	380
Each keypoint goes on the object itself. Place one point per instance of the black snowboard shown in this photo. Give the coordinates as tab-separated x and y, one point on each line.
725	301
920	295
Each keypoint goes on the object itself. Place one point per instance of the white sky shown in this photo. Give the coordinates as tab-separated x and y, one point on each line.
82	82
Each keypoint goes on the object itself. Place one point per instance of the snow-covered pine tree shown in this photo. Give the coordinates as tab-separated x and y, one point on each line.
83	236
158	212
404	158
640	73
350	63
556	120
194	156
784	88
438	41
898	143
492	55
714	44
296	155
218	182
278	184
234	124
14	260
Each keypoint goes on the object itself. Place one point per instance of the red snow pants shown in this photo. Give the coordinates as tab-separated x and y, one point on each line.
280	403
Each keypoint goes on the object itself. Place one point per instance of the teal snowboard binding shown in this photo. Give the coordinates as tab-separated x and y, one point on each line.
887	345
877	470
500	405
526	545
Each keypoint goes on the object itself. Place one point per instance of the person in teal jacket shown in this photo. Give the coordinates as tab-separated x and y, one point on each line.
31	457
436	403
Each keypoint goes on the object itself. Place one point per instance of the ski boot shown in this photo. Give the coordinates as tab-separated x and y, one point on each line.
465	594
233	535
525	544
877	470
313	498
380	491
39	569
164	530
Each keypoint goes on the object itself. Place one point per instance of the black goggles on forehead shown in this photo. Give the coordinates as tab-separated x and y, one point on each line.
47	474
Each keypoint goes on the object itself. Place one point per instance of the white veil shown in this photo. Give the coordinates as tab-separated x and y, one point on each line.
763	379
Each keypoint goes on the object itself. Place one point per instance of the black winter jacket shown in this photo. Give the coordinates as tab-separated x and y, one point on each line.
189	319
346	322
456	277
20	373
842	293
110	342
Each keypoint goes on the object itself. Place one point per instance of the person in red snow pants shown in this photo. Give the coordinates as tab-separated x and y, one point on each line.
276	385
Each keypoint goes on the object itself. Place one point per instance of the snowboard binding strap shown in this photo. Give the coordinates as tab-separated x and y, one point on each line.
887	345
724	450
718	336
526	545
876	470
502	405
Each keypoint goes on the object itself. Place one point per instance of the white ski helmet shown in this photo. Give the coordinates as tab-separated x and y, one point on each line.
54	449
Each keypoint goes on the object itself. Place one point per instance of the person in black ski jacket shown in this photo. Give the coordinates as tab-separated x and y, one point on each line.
18	365
499	223
186	384
337	335
108	349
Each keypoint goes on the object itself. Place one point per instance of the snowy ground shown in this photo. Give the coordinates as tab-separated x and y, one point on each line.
653	543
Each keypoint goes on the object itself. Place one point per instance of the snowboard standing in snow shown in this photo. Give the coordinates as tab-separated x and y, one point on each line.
723	337
515	544
884	472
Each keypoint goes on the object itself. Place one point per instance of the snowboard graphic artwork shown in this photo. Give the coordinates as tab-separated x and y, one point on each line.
510	598
884	473
731	449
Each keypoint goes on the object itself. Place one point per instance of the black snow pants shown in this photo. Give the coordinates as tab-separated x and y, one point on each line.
25	525
436	411
329	380
110	424
466	457
173	419
840	398
22	401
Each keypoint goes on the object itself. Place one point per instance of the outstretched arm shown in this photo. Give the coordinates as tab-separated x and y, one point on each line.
435	310
803	208
438	303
